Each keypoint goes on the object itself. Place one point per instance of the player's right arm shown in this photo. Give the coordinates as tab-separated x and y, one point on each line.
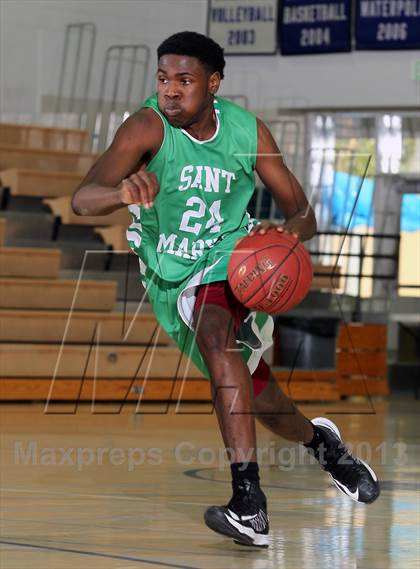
118	177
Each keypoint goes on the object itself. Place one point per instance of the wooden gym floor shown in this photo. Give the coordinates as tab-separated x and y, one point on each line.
134	493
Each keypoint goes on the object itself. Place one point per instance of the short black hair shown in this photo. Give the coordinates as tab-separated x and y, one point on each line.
196	45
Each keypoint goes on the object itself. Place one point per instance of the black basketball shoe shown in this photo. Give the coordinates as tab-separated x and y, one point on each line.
244	519
351	475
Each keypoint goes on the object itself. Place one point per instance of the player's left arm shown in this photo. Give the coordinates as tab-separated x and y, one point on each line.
285	189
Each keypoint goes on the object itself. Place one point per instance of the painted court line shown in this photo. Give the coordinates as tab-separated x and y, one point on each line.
98	554
101	496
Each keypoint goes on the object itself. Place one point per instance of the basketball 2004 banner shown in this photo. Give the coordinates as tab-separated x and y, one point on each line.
310	27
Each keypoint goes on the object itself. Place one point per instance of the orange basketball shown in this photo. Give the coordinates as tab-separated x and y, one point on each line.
270	273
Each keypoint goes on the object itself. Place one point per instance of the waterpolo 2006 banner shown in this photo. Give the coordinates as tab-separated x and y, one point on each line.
244	26
388	24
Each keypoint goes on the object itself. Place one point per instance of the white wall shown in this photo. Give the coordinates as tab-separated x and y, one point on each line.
356	79
32	39
32	36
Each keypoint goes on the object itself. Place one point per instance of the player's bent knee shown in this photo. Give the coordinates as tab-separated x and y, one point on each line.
212	339
213	332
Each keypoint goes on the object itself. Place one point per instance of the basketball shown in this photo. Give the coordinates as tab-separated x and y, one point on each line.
270	272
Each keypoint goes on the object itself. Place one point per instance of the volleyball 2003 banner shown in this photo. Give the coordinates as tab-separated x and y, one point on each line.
244	26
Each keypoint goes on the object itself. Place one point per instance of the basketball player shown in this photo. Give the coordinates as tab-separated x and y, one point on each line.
184	165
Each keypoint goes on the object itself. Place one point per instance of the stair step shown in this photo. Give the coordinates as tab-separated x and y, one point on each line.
27	204
129	287
13	156
41	136
72	252
28	225
78	361
45	326
39	183
29	262
118	390
57	294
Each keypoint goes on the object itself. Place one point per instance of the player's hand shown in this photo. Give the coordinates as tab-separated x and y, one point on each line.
265	226
140	188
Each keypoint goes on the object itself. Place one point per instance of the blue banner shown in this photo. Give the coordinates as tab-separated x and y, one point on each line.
388	24
310	27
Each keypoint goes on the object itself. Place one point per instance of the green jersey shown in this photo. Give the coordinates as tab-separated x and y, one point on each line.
205	187
187	237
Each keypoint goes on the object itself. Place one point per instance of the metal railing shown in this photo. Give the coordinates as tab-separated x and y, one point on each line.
122	90
357	273
73	89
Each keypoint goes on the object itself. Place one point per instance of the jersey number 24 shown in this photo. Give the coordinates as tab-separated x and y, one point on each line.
213	224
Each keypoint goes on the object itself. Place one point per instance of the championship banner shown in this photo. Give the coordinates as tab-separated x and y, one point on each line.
244	26
309	27
388	24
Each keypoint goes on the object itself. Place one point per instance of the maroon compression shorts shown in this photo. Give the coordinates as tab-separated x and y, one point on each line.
220	294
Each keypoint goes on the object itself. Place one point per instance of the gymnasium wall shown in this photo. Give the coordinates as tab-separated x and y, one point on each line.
32	37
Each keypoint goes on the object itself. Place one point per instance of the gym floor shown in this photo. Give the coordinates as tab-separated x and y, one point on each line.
96	489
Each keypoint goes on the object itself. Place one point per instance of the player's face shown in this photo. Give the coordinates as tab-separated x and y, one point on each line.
185	88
